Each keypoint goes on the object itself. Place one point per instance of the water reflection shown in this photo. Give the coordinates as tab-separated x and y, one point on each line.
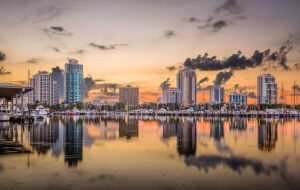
187	137
128	127
171	146
267	134
73	141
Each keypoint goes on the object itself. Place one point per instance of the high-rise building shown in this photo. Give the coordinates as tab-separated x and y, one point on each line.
238	98
73	81
45	89
129	96
186	82
216	94
266	89
171	95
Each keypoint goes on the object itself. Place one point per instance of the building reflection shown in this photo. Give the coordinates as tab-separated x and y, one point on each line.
217	129
73	141
267	134
43	135
239	124
128	127
187	137
170	128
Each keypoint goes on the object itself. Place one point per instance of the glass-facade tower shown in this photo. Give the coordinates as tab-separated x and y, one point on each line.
73	81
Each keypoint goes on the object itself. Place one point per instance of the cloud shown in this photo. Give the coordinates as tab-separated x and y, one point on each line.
252	95
230	6
222	77
33	60
20	82
165	84
50	12
192	19
223	16
88	84
55	49
237	61
2	56
203	80
103	47
218	25
54	31
80	51
4	72
169	33
297	65
99	80
239	164
171	68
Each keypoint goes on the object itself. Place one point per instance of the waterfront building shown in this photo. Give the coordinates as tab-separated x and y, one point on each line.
73	82
129	96
216	94
186	82
266	89
171	95
45	89
238	99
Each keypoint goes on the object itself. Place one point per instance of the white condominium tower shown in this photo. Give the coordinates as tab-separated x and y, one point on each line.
45	89
266	89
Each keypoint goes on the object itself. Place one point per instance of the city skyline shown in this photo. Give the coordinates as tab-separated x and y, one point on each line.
119	43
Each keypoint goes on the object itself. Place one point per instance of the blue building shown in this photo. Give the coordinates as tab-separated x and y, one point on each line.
238	99
73	81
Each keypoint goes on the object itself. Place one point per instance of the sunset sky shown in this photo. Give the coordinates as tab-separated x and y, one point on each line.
132	42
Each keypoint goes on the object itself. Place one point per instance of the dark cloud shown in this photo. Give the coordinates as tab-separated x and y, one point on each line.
170	33
239	164
297	65
222	77
165	84
251	95
4	72
57	75
88	84
230	6
103	47
2	56
294	37
33	60
218	25
203	80
223	16
171	68
238	61
56	31
99	80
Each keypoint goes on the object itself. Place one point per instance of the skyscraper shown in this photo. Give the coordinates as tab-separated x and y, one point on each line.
45	89
216	94
73	81
129	95
186	82
171	95
266	89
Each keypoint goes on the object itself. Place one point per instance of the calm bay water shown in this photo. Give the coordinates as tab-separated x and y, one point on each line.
151	153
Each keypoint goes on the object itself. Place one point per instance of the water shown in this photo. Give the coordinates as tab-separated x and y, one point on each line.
151	153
